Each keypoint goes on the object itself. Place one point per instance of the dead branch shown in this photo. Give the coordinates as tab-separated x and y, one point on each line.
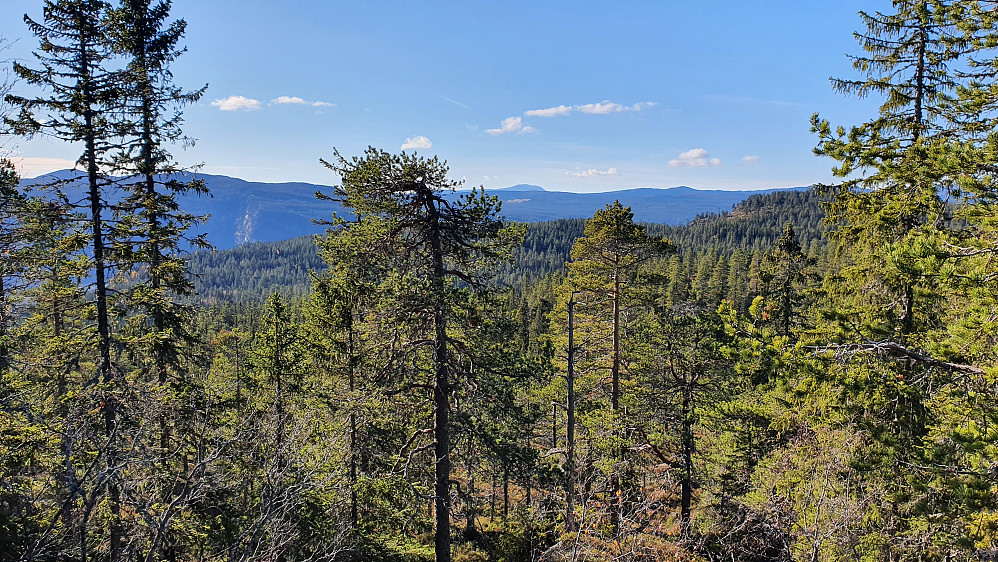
895	350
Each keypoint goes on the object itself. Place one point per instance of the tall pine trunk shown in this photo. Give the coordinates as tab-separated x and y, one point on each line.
441	391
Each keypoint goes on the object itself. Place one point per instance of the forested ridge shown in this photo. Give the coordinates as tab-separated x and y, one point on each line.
810	376
255	270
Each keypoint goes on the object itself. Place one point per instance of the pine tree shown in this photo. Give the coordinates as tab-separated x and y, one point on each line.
684	372
605	262
429	245
340	298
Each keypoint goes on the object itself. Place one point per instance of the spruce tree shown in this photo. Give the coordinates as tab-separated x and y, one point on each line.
152	233
83	97
785	270
912	216
888	194
154	229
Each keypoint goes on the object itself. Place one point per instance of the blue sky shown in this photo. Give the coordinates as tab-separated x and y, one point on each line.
573	96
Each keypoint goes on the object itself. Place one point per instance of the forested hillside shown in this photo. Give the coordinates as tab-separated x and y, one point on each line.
254	271
810	376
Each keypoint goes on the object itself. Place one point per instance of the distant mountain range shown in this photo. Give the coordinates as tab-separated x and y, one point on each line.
243	211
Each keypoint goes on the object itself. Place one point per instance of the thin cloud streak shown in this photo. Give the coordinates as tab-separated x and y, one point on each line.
600	108
455	102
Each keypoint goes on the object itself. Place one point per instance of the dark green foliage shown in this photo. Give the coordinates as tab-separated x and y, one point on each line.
252	271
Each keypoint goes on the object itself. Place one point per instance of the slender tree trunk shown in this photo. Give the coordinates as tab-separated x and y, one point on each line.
104	369
570	455
353	425
908	294
4	316
615	494
155	262
441	391
686	486
505	490
470	531
441	432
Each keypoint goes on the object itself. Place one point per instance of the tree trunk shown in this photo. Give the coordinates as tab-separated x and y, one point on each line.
570	454
441	391
615	494
353	427
104	370
686	485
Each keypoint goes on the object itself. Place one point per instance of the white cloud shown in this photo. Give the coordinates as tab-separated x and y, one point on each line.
549	112
289	99
511	125
417	142
323	104
515	124
594	172
236	103
695	158
751	158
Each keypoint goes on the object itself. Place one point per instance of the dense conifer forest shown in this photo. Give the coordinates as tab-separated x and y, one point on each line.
810	376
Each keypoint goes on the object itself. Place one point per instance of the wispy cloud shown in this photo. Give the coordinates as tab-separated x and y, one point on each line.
29	166
600	108
515	124
591	172
549	112
744	99
511	125
295	100
751	158
604	107
237	103
695	158
417	142
455	102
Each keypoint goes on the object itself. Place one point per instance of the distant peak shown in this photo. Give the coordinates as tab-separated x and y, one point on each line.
521	187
